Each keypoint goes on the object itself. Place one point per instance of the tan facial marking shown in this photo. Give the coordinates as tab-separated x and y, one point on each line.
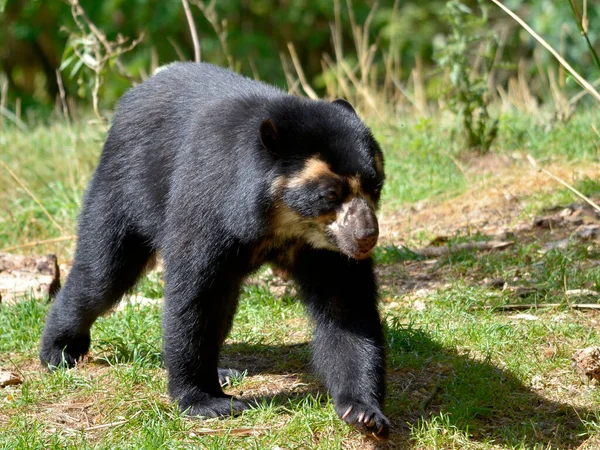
355	188
313	169
286	223
289	225
278	185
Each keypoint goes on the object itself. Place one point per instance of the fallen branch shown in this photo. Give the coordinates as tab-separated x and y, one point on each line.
436	251
245	431
112	424
36	243
427	400
526	306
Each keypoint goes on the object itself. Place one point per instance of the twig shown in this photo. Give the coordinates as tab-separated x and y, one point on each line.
560	59
525	306
583	24
14	117
244	431
177	49
460	167
253	68
292	82
78	11
309	90
106	425
112	424
36	243
63	97
18	109
564	183
427	400
17	368
193	32
582	94
219	27
31	194
360	87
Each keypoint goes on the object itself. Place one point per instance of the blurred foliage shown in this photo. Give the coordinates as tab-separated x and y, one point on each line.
470	40
34	34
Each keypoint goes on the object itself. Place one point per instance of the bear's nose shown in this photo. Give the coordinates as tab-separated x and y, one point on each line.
366	238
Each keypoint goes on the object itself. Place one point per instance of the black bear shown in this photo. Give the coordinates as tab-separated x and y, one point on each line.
221	174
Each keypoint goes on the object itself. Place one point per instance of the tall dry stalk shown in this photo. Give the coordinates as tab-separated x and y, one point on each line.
582	81
193	31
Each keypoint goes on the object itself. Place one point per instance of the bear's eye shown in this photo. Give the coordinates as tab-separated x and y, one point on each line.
331	189
331	194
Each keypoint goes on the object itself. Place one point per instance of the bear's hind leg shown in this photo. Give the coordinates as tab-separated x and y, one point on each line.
108	261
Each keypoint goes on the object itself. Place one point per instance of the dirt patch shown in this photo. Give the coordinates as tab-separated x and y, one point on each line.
492	206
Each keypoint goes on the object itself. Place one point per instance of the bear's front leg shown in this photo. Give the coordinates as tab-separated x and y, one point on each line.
200	300
348	347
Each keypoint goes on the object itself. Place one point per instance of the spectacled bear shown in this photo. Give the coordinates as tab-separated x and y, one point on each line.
221	174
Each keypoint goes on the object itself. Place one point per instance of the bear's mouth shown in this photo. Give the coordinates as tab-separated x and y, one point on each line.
362	254
347	245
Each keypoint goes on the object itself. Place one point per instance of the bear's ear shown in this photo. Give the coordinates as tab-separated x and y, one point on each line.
268	134
344	104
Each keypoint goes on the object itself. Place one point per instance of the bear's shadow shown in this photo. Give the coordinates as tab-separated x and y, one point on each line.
429	381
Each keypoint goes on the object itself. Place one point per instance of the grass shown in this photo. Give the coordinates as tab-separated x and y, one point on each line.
463	374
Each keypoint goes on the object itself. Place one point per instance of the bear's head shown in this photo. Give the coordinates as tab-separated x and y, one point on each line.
330	175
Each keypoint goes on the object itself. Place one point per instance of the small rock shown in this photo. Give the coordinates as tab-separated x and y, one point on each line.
588	231
587	363
573	220
419	305
497	283
9	378
136	300
565	212
523	316
537	383
559	245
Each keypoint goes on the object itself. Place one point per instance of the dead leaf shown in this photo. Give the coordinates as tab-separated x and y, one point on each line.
8	378
587	363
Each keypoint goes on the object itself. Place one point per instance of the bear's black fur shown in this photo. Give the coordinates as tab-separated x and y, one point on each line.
220	174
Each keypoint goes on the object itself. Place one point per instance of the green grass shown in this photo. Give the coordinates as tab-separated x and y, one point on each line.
463	373
483	363
423	162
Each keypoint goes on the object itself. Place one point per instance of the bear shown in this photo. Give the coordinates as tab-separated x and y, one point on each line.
220	174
